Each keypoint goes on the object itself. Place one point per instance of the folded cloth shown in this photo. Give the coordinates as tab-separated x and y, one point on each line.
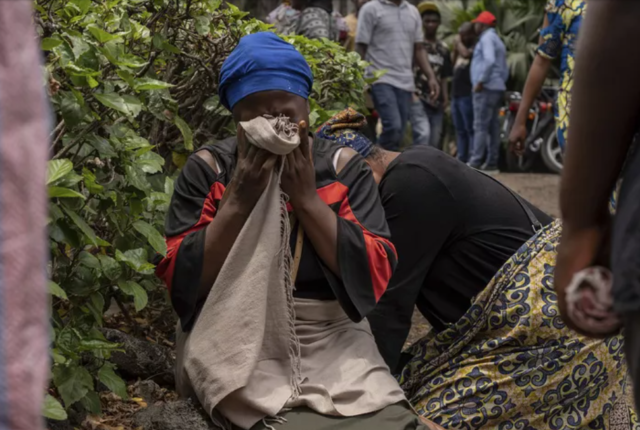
248	316
590	302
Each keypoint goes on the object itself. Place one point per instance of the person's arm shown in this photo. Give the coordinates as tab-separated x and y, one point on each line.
533	85
447	74
548	50
196	245
422	60
364	31
421	213
606	74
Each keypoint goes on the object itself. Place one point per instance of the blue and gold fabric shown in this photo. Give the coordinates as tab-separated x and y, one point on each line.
559	40
511	363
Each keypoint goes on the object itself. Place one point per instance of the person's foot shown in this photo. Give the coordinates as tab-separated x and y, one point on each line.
490	170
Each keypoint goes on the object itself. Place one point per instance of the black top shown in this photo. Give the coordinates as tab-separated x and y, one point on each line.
461	82
453	228
365	255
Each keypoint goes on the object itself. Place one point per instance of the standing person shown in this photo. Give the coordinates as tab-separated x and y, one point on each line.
390	37
557	39
24	137
462	90
352	26
489	73
313	19
599	143
427	114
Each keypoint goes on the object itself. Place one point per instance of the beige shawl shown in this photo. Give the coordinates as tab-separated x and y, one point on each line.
243	357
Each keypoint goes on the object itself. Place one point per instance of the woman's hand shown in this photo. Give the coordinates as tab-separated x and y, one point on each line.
299	176
252	174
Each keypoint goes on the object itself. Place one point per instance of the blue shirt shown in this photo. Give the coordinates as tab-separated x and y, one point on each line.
489	64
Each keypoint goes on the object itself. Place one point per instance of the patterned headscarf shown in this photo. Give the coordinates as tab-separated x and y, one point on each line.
344	128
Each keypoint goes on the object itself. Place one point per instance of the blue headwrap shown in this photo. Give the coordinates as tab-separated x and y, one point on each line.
263	62
344	128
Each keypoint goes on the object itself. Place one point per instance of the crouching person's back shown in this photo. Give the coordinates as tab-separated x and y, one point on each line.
272	293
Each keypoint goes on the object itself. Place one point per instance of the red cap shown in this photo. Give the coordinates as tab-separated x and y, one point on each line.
486	17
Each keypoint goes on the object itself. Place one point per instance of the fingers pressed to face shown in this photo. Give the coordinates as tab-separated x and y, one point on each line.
303	130
242	141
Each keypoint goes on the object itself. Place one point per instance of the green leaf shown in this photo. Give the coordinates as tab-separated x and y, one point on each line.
127	104
89	260
48	43
203	25
170	48
56	290
108	377
73	383
64	192
58	169
100	35
83	226
144	84
187	134
91	402
102	145
153	236
150	162
90	182
134	289
71	109
110	267
96	307
52	409
83	5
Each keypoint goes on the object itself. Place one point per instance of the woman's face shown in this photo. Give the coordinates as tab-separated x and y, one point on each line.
272	103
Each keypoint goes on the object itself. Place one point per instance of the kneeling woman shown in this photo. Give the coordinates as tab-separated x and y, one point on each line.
499	356
255	353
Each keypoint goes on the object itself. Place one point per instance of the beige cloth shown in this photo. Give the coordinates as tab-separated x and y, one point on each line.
251	354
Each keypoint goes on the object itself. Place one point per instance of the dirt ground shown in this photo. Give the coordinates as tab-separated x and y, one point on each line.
539	189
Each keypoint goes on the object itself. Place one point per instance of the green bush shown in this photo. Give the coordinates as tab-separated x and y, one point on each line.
133	84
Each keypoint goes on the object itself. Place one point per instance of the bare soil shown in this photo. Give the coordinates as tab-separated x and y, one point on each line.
539	189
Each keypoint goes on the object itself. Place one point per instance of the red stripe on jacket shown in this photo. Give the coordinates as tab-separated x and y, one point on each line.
379	265
167	266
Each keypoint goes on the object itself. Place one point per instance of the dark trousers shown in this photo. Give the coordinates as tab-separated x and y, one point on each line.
392	105
462	115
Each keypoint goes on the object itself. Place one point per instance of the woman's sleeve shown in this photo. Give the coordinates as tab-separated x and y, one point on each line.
193	206
366	256
553	34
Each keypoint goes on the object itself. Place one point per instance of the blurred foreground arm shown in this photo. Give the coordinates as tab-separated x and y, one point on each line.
604	118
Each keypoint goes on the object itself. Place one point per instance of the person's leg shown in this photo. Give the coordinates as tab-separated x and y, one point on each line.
494	102
462	137
404	107
481	122
466	107
394	417
436	120
420	128
386	103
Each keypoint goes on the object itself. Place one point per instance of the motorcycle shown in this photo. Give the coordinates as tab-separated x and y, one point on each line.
541	145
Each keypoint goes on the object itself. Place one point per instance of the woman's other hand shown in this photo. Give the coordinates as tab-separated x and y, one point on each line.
299	176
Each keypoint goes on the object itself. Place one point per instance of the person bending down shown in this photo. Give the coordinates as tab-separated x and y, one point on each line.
498	355
332	375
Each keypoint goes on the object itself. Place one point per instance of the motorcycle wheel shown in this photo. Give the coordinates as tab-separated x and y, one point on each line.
551	153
